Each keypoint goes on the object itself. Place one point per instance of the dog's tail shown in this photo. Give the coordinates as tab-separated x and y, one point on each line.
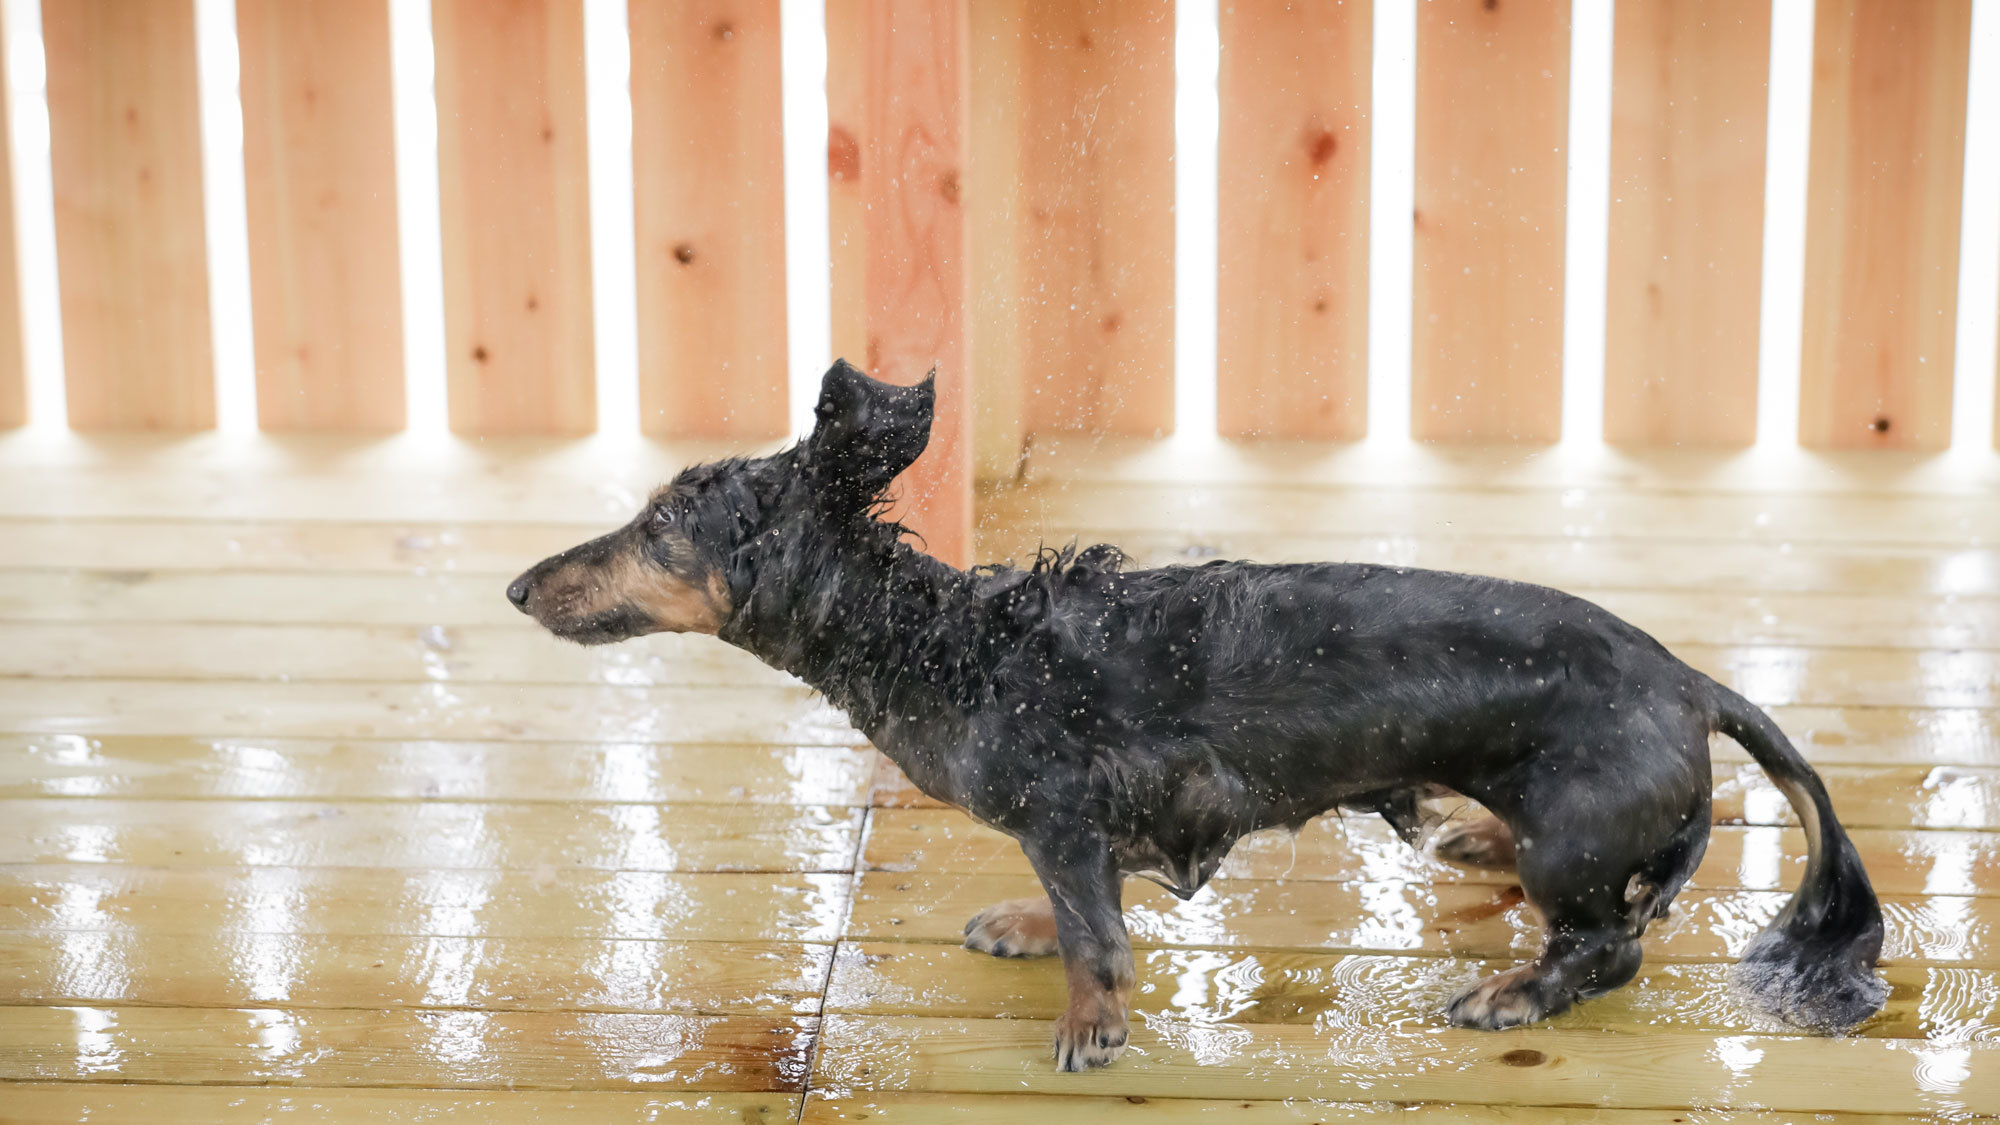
1815	964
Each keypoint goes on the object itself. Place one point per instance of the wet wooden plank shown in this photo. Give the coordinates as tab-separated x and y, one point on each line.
1492	131
846	161
470	1050
1339	993
503	550
1934	521
485	974
572	836
709	203
65	1103
1684	281
513	174
421	902
558	712
505	712
125	153
1292	275
904	1108
1527	1066
1882	223
257	768
1390	917
1363	849
108	649
319	173
443	610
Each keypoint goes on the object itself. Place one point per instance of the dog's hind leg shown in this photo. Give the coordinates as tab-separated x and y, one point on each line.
1021	927
1475	838
1597	879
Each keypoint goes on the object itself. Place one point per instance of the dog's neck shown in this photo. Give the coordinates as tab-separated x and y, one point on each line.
873	624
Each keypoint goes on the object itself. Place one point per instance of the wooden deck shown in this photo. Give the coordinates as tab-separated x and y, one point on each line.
303	819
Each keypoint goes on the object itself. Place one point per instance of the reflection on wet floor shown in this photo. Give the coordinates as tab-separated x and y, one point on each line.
317	810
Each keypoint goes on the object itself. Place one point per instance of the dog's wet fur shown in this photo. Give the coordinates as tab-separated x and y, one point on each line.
1121	721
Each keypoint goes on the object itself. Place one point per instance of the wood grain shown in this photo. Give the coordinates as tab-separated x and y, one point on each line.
709	207
320	180
846	160
513	176
1491	179
918	291
125	149
13	360
1882	223
1690	87
1292	278
64	1103
1092	140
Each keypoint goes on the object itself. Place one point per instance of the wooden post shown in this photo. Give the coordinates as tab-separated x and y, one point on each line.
846	125
1690	83
1292	282
1491	180
13	361
1094	219
709	177
320	180
1888	156
131	242
514	187
915	129
1001	350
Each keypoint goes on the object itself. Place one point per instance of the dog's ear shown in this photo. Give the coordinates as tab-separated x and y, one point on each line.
867	432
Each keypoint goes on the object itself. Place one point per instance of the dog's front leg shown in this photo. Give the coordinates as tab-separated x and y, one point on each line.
1084	893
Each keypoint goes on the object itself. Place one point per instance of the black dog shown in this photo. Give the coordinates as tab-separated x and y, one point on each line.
1139	722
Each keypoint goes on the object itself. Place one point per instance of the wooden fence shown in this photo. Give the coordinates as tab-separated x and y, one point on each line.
1002	192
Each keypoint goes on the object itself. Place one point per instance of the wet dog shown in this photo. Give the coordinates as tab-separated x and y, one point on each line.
1119	721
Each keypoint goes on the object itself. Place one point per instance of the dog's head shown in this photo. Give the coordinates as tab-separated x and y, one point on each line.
683	563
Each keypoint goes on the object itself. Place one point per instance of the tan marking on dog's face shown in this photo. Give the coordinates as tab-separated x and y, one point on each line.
674	605
615	591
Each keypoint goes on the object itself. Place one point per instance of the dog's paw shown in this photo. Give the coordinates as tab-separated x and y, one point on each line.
1476	841
1022	927
1085	1041
1502	1000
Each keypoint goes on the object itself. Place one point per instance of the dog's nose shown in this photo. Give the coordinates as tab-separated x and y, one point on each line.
517	592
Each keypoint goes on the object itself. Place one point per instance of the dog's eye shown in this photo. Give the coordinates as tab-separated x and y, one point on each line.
663	518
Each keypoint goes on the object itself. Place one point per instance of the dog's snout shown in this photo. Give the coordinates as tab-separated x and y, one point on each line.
517	592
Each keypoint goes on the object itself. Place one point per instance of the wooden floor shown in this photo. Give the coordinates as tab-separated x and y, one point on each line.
303	820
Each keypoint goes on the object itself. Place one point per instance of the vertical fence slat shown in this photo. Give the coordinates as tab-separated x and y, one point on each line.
709	201
1096	196
1690	86
13	361
1882	219
513	174
1491	181
1000	350
319	175
125	145
1292	278
917	71
846	120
